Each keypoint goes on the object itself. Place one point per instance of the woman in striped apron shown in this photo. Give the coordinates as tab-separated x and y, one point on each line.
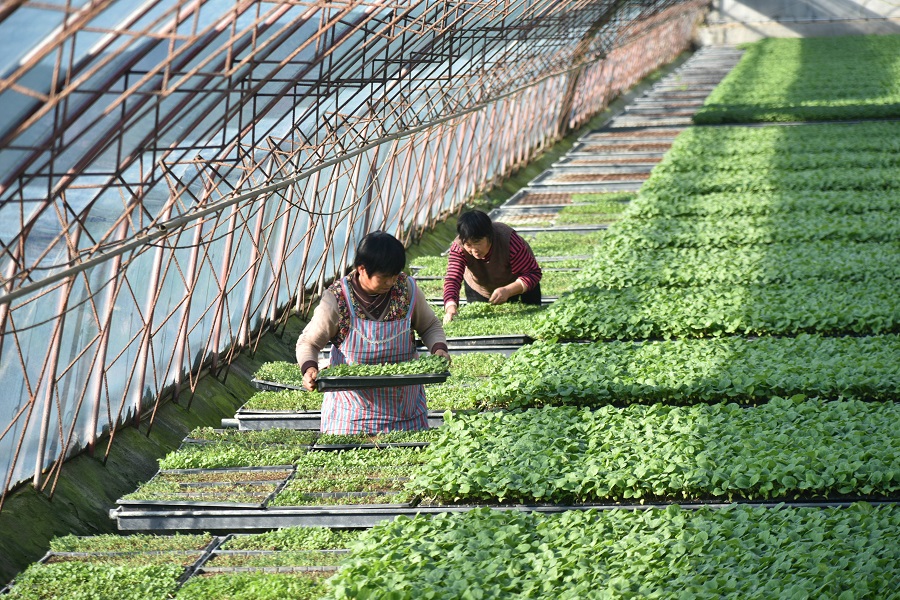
372	316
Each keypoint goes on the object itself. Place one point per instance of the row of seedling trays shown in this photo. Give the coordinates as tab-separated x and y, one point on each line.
187	566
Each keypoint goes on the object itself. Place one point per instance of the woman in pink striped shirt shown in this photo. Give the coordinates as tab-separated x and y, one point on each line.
370	317
492	262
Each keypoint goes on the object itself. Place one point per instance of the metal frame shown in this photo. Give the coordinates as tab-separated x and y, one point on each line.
176	178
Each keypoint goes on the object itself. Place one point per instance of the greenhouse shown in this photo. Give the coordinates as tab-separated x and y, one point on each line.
506	299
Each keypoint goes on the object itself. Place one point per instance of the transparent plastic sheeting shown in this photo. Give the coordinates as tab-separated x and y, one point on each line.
176	174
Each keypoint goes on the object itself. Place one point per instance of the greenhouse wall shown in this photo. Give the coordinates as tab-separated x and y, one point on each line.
211	171
739	21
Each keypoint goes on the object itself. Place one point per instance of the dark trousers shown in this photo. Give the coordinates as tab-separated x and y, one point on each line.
532	296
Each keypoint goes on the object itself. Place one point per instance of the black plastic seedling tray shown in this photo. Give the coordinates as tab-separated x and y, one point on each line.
486	342
359	382
274	386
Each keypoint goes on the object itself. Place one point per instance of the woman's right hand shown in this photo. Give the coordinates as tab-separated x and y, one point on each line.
450	311
309	378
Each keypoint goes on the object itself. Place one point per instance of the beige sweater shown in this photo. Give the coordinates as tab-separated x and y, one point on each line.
324	326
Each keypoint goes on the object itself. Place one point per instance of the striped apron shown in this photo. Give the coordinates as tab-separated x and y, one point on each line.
375	410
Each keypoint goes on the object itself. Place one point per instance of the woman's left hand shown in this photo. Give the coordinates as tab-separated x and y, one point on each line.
500	296
444	353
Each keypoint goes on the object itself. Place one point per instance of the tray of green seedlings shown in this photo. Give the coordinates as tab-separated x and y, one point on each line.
428	266
599	209
432	268
282	401
455	394
564	243
553	283
138	567
291	548
359	477
427	369
292	562
471	372
392	439
278	375
238	448
231	488
490	325
286	409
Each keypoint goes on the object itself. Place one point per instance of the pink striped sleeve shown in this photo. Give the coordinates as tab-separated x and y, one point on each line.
456	266
522	261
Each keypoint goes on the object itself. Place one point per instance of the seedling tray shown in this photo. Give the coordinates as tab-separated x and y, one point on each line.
280	419
273	386
358	382
487	342
174	504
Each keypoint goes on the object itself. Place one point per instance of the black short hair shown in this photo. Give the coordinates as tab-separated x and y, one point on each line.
380	252
474	225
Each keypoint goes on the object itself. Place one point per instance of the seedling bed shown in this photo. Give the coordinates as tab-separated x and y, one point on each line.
232	479
552	259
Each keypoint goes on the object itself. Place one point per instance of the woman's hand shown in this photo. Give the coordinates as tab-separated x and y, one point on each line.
309	378
450	311
502	294
445	354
